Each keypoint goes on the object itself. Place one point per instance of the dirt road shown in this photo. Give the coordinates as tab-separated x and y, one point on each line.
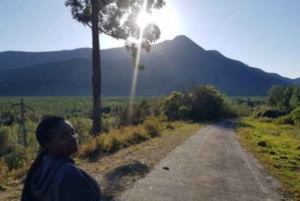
210	166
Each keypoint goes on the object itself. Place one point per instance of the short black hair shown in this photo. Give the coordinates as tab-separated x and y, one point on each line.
45	126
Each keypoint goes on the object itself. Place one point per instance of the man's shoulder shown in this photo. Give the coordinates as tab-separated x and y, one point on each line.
69	169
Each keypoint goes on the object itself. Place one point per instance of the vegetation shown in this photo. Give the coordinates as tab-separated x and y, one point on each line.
271	132
269	127
16	159
277	147
284	97
119	171
202	103
107	17
150	118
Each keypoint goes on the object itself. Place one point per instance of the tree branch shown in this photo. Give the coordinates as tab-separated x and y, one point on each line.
87	24
101	30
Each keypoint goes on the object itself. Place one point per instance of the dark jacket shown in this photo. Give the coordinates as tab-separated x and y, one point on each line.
58	179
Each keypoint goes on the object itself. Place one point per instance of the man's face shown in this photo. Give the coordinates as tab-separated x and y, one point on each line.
64	140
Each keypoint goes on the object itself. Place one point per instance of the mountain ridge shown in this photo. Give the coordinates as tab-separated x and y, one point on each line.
169	65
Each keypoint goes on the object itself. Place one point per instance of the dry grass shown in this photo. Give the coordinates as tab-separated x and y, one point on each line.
120	138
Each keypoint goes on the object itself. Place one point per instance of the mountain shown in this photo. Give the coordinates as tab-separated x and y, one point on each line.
297	81
18	59
170	65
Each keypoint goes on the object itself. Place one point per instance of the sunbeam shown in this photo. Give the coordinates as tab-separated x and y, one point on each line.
142	25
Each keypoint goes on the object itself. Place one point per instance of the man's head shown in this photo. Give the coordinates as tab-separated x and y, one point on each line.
57	136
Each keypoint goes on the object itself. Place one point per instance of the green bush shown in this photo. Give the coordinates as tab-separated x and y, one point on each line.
295	115
120	113
231	110
262	143
286	119
107	123
157	108
170	126
207	103
140	113
201	103
172	104
184	112
82	127
284	97
5	143
17	158
152	127
4	174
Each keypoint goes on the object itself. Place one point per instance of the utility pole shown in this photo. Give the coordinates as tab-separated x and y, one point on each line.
22	123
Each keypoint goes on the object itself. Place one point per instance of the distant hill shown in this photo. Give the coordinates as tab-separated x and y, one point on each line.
169	66
297	81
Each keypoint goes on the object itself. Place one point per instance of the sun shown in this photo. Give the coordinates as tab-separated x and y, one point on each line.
143	19
167	19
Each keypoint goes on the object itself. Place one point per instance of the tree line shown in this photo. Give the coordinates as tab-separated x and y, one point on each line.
285	98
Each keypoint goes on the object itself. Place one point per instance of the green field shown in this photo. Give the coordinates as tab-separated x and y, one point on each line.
78	106
15	159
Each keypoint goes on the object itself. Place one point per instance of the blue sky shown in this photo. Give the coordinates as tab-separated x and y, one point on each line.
260	33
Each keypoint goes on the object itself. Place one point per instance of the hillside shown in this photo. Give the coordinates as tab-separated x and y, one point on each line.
17	59
169	66
297	81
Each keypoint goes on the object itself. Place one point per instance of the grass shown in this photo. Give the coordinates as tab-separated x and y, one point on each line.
278	149
118	170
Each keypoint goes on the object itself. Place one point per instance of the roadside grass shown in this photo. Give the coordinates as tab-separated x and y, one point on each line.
278	149
121	157
123	137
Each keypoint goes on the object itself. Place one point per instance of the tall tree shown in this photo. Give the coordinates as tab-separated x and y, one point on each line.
118	19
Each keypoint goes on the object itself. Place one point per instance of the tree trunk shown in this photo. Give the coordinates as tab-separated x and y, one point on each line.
96	77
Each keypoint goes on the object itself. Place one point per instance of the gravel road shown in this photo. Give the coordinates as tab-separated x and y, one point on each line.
210	166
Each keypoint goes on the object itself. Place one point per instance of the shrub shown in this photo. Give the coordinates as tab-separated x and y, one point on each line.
137	137
184	112
106	144
284	97
4	174
17	158
172	105
272	113
101	144
89	150
286	119
170	126
107	123
231	110
202	103
140	113
5	144
157	108
113	141
295	115
152	126
262	143
82	126
207	103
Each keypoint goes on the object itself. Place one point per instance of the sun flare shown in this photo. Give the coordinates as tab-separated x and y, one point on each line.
143	19
167	20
